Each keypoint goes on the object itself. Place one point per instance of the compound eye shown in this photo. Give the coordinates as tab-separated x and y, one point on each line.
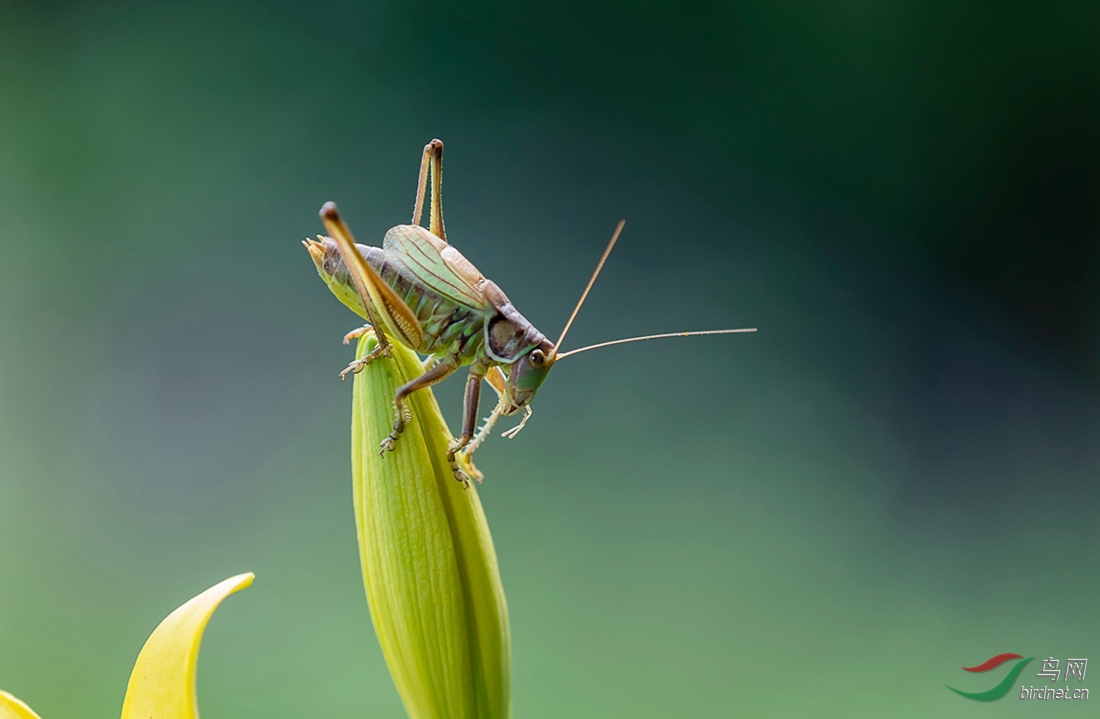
537	358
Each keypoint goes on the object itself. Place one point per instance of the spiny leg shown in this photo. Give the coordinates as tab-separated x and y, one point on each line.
436	374
482	435
466	454
431	164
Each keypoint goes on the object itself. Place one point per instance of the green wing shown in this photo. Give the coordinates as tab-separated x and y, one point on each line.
424	259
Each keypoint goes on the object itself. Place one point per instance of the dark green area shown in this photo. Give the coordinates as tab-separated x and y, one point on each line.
897	472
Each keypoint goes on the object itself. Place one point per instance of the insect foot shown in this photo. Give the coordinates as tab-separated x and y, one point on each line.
459	474
357	366
453	448
465	461
354	367
389	444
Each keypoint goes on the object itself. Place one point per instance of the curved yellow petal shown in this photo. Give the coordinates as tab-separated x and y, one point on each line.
12	708
162	685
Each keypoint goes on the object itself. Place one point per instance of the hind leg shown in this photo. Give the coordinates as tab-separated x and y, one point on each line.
431	172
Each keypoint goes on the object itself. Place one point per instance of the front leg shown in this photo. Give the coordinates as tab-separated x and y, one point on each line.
469	424
436	374
495	377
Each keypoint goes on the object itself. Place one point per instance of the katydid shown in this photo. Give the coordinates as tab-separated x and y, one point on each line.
419	290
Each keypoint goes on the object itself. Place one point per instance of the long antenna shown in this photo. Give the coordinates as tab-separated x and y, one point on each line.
563	355
614	237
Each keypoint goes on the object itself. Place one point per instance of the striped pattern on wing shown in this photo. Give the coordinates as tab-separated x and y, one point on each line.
424	259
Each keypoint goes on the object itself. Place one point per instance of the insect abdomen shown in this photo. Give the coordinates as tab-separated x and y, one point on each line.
448	327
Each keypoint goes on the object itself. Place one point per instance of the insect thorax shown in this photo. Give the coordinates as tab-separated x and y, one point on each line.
509	334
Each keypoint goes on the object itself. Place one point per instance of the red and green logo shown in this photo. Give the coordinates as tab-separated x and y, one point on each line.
1003	687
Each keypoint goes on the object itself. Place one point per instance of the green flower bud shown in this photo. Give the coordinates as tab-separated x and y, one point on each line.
428	561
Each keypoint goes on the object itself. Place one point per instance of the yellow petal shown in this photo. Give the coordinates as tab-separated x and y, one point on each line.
429	566
162	685
12	708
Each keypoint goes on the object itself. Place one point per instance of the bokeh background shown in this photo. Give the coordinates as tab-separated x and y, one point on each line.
895	477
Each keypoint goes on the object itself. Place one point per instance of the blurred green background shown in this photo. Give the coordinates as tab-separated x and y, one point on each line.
895	477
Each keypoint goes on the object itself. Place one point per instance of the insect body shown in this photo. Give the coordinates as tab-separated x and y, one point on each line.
421	291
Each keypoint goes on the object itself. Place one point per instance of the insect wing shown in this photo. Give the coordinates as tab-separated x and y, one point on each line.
394	314
424	259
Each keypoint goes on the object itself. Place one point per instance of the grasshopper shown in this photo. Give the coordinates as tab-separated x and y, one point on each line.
422	292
